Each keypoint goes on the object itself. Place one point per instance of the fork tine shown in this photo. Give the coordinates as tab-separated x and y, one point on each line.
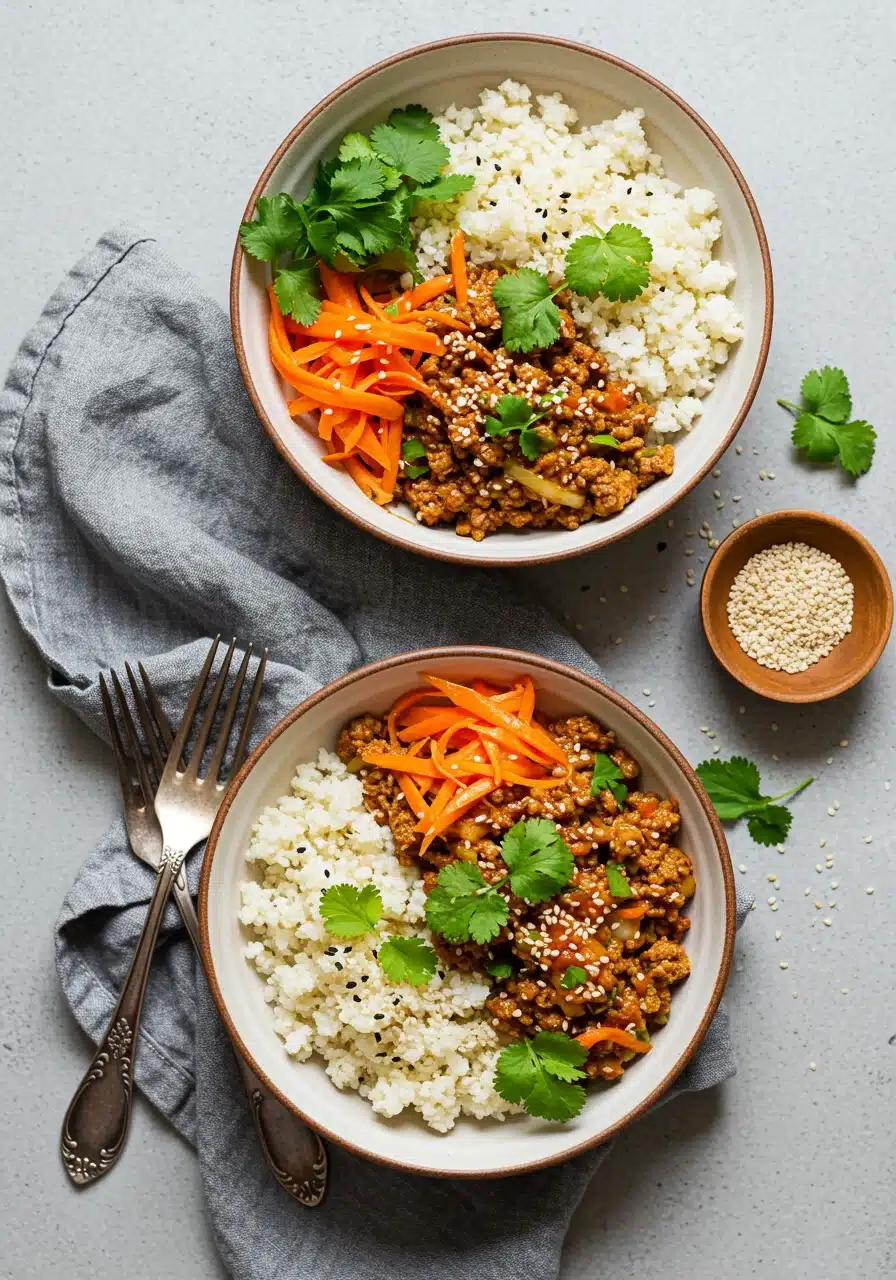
134	742
176	750
155	707
146	723
226	724
121	757
242	746
211	711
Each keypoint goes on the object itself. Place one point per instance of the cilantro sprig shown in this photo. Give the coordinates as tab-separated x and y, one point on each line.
823	428
408	960
613	263
463	906
348	912
358	211
411	449
573	977
618	881
514	413
607	776
733	787
540	1073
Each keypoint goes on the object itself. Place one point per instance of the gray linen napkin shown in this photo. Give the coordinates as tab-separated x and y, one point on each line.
142	510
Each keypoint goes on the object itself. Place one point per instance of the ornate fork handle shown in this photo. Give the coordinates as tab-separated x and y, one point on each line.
97	1120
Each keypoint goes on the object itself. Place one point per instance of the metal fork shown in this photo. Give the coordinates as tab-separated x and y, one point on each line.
96	1123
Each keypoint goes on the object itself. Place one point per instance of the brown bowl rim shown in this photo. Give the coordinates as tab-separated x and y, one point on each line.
771	518
357	518
467	653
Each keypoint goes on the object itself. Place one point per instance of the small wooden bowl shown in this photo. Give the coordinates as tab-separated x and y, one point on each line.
853	657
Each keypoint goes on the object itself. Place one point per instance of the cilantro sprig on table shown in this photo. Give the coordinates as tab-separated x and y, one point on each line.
541	1072
613	263
733	787
514	413
358	211
463	906
823	428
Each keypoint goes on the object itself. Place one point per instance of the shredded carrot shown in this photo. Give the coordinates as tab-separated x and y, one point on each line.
616	1036
494	714
456	807
426	292
412	795
459	268
633	913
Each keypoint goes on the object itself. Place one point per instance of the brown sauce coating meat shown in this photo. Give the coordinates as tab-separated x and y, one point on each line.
632	964
466	484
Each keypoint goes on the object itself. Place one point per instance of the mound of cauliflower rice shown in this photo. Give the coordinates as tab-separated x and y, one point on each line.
540	182
430	1047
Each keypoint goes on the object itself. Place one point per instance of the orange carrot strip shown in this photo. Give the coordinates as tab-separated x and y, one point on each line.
369	445
432	725
330	325
633	913
393	450
533	784
492	713
342	397
338	286
417	765
614	1034
456	807
487	690
494	756
395	378
437	317
303	405
447	789
515	745
527	702
412	795
365	481
425	292
459	267
373	307
402	704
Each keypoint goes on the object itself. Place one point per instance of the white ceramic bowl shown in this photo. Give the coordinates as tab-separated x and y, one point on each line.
597	85
473	1148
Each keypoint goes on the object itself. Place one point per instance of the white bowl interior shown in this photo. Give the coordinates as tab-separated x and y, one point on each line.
473	1147
597	89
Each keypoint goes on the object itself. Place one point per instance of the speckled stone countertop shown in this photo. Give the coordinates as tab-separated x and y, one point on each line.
163	115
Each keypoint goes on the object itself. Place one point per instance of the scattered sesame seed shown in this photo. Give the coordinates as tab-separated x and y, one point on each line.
783	964
778	935
828	921
867	839
812	1066
742	868
869	889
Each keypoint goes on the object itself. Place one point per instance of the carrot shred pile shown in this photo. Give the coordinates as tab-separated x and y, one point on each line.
452	744
356	365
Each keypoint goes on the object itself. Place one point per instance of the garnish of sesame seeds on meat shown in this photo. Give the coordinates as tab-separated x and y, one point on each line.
631	964
466	484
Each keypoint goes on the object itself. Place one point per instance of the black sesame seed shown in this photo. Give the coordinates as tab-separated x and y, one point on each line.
564	195
648	193
330	951
377	1017
544	237
662	288
565	235
628	191
538	208
586	586
518	179
377	1037
493	203
364	977
327	874
478	160
346	950
357	999
545	214
497	168
339	965
396	1059
563	209
350	985
661	546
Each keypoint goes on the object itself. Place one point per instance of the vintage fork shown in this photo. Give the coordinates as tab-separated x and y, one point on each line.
96	1123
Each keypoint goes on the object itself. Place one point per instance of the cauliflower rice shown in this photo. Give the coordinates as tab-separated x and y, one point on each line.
430	1048
540	182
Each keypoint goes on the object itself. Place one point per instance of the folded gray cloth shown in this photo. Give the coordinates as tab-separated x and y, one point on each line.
143	511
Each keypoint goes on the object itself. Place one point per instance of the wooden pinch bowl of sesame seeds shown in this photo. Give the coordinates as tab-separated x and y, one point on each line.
797	606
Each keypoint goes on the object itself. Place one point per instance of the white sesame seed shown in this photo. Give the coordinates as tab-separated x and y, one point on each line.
778	935
869	889
867	839
828	921
822	843
812	1066
783	964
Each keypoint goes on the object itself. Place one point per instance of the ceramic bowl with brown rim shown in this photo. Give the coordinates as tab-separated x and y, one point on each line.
855	655
598	86
474	1148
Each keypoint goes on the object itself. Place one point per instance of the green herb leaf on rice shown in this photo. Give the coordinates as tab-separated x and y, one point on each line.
407	960
349	912
614	264
529	316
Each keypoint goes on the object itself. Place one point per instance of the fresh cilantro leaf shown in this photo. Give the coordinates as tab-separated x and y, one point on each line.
355	146
358	180
414	449
822	428
411	152
827	394
538	859
539	1073
298	291
573	977
613	264
414	119
277	228
618	882
607	776
516	414
529	316
446	187
322	233
407	960
462	906
771	825
823	441
499	969
348	912
414	472
733	787
608	441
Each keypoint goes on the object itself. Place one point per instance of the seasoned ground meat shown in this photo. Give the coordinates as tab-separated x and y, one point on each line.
466	483
630	948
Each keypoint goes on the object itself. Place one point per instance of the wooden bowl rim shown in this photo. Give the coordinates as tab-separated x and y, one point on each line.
769	520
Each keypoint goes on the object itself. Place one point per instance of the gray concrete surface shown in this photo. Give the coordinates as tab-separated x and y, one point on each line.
163	115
